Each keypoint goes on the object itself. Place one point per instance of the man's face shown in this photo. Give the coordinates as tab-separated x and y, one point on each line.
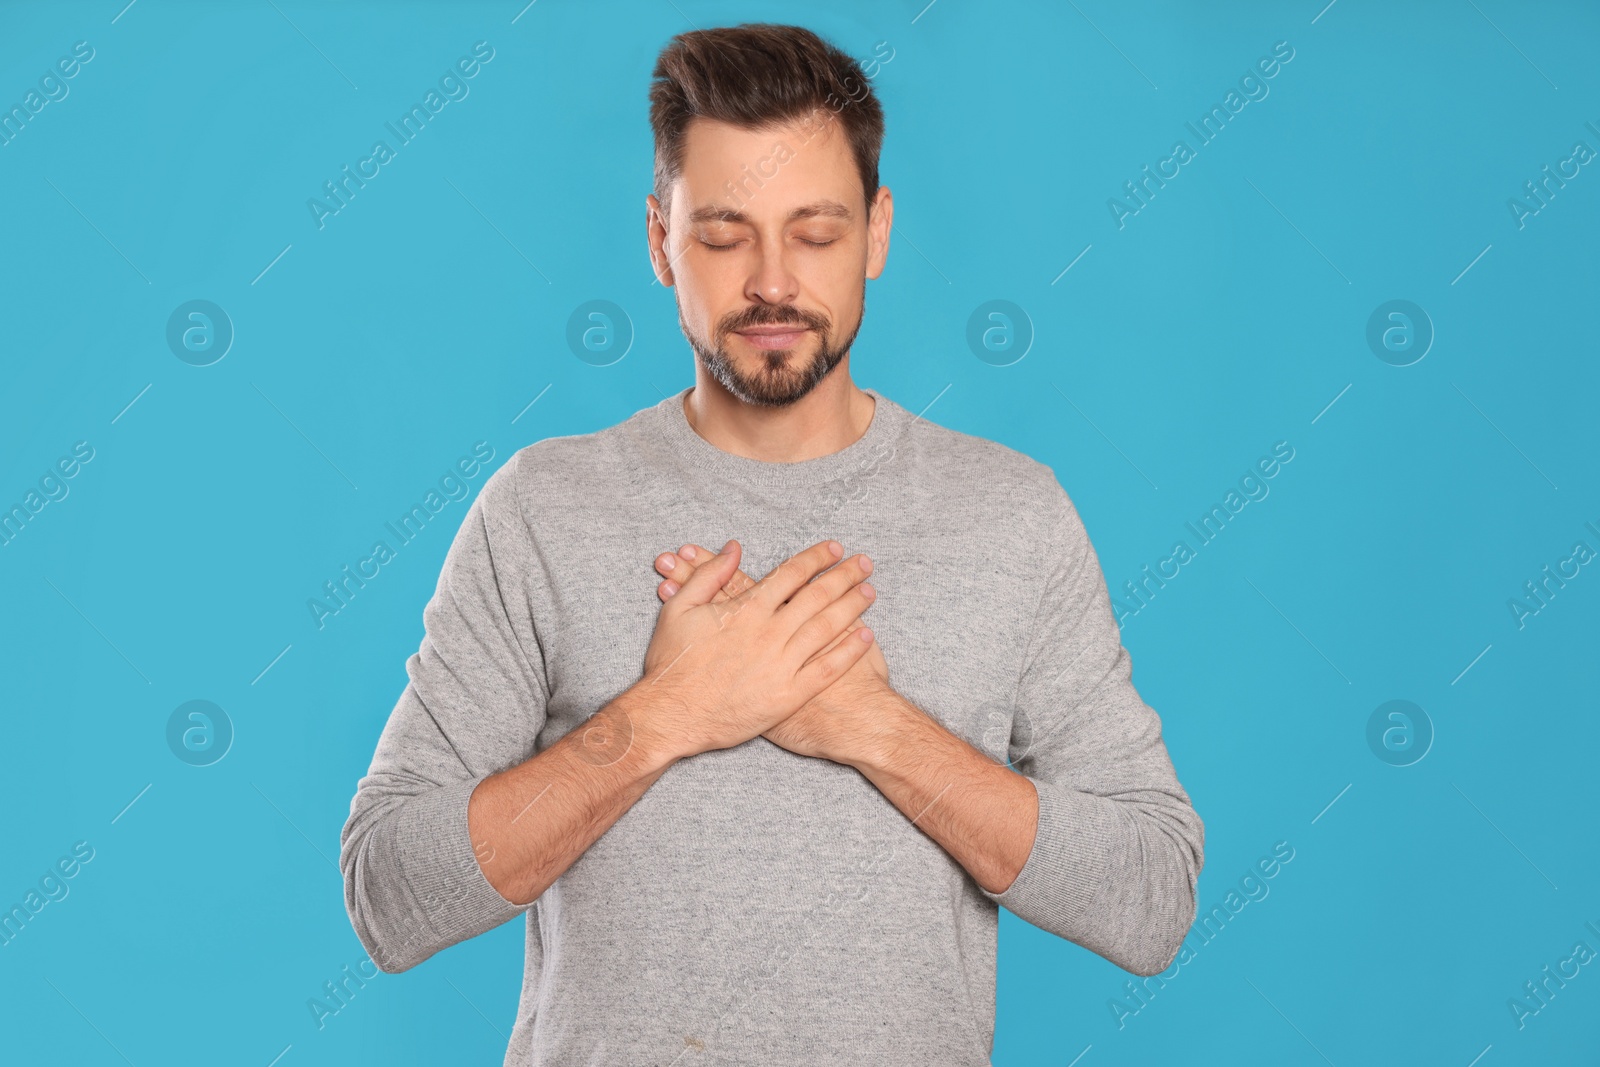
768	247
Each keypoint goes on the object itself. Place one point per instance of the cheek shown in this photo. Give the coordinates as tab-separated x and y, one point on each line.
699	298
835	288
710	284
840	304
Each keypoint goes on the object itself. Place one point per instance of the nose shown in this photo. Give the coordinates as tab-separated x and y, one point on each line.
772	281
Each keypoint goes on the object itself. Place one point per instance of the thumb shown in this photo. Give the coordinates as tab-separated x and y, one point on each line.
709	578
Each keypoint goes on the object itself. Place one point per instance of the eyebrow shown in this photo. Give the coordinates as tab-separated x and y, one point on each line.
819	209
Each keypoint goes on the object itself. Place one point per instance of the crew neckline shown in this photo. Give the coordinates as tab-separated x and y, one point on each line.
670	421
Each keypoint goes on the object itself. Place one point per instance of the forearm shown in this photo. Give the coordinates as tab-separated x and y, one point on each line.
980	812
531	822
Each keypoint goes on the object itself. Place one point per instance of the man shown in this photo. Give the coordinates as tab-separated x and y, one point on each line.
769	821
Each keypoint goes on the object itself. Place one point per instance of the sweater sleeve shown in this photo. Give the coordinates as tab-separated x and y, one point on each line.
474	704
1119	848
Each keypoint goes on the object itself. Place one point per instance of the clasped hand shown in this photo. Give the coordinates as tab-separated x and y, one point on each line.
786	658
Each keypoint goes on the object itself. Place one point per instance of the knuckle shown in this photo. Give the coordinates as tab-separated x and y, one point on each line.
816	628
828	668
813	598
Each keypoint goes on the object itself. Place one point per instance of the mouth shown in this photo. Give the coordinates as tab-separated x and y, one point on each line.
771	338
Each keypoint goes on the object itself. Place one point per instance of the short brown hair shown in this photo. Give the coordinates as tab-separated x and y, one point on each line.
757	75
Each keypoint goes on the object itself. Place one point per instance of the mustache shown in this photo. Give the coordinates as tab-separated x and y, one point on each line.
774	315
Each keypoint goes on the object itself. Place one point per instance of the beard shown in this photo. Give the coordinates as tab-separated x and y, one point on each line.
778	377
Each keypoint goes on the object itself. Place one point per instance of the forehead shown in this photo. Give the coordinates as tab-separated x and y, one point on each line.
767	172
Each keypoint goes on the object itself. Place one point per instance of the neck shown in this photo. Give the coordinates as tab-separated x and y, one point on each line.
826	420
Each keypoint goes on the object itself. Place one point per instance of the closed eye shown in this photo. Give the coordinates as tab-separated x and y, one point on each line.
736	244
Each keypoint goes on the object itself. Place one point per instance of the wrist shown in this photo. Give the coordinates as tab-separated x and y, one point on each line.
659	721
877	732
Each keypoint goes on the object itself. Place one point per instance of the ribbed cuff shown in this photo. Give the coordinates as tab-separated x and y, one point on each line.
1071	853
440	868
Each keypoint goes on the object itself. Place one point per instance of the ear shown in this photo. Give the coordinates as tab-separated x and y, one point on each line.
655	225
879	222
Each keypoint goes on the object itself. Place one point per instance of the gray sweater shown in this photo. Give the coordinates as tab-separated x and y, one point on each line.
756	906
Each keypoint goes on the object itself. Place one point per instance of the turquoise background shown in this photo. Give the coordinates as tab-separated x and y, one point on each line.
1230	313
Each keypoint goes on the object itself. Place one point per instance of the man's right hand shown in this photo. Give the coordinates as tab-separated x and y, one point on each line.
720	672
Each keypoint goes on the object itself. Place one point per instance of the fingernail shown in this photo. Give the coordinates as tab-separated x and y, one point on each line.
866	634
670	588
726	546
867	591
688	552
665	560
866	564
836	548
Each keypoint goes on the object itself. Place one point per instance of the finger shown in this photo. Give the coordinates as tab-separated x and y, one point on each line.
708	578
667	565
739	583
677	567
819	632
675	570
825	589
855	624
825	669
786	578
